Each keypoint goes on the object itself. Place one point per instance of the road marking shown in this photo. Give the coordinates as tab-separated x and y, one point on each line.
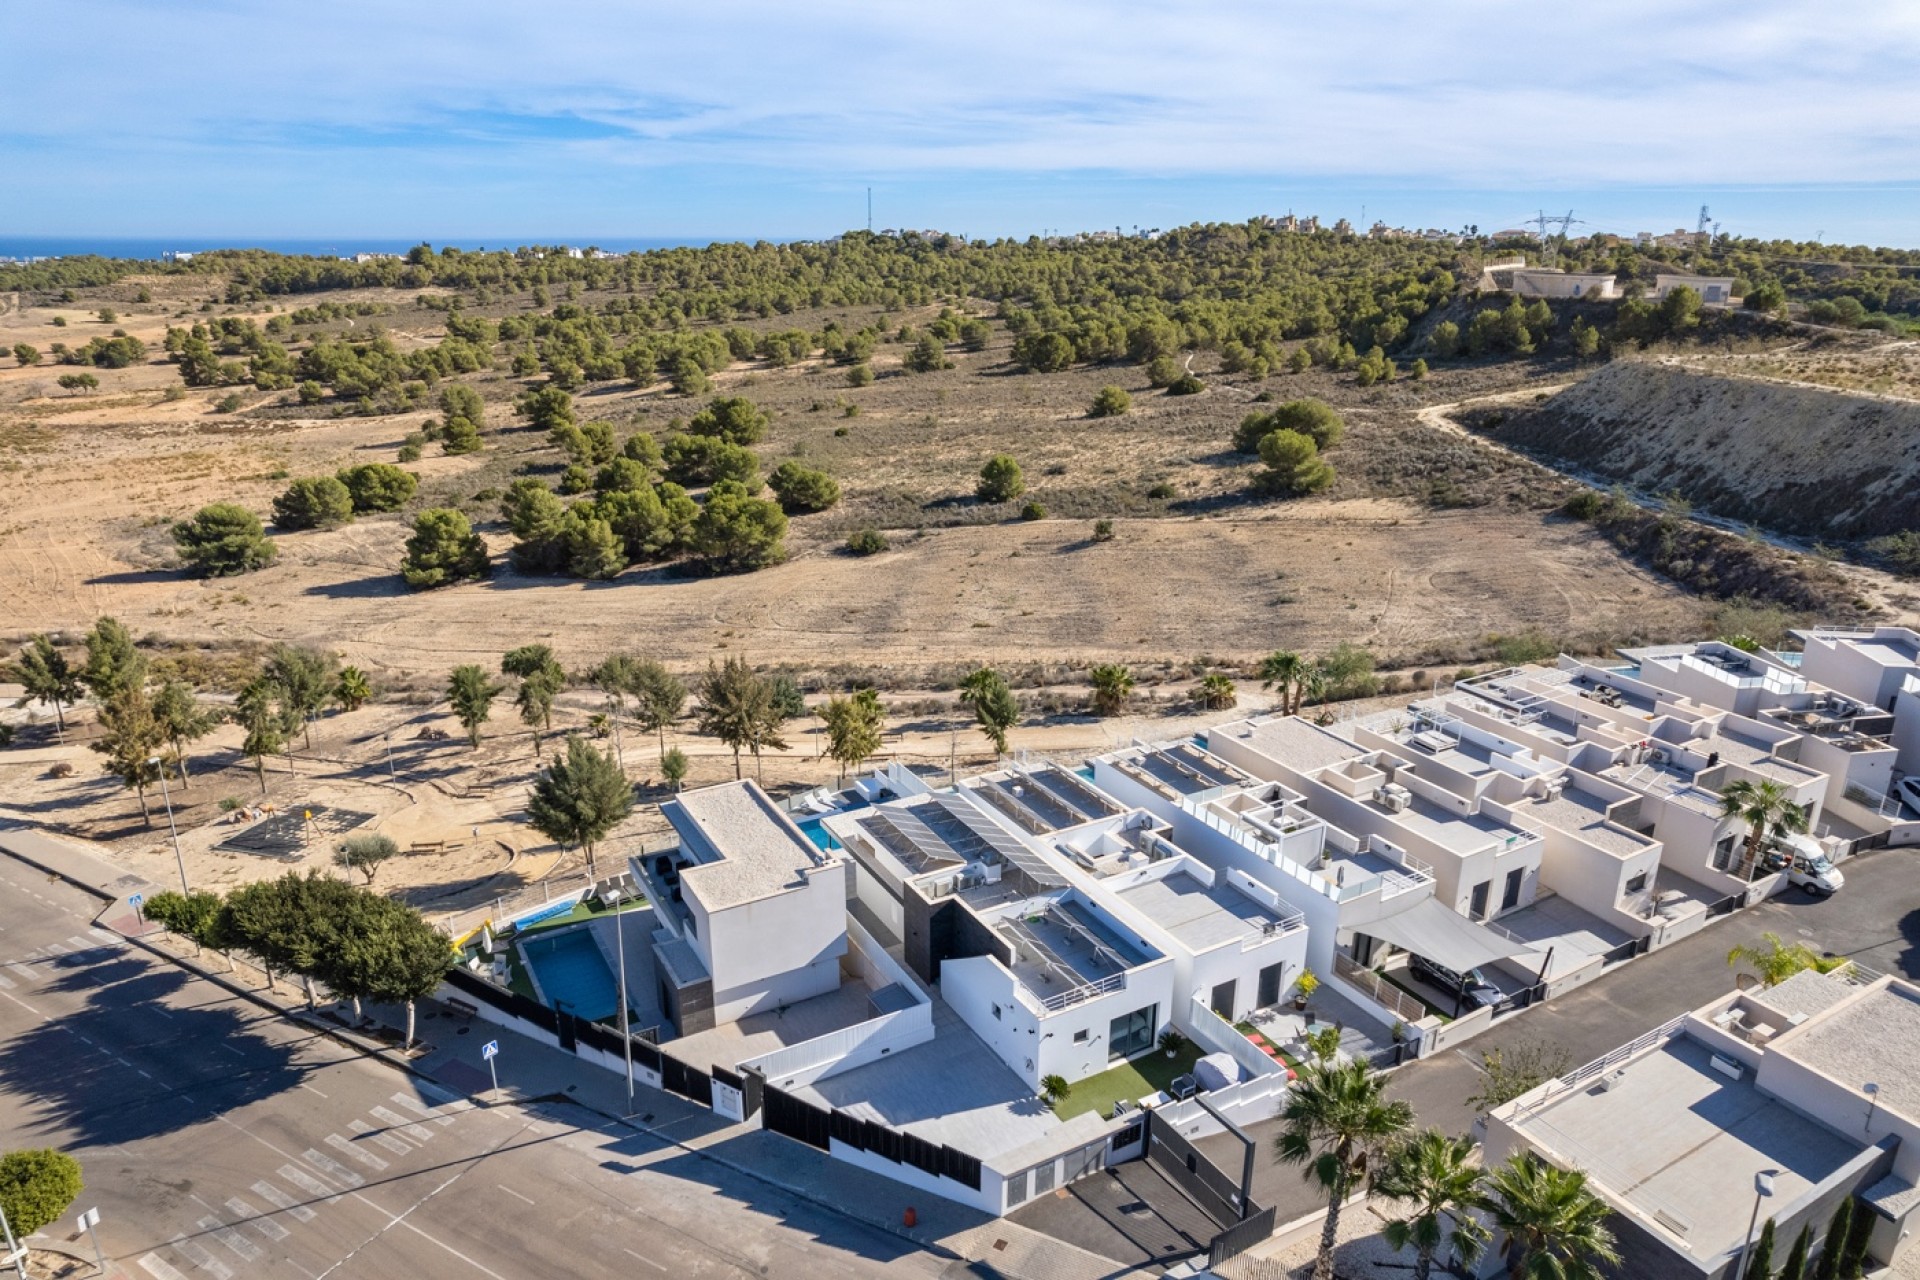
22	972
308	1183
643	1257
394	1120
310	1089
282	1201
6	983
414	1104
53	948
510	1191
243	1248
160	1269
264	1225
202	1259
107	939
366	1158
332	1168
82	944
398	1146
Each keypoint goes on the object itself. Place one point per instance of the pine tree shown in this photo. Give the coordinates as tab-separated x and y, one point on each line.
580	797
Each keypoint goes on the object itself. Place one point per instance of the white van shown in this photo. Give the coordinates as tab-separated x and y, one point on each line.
1806	864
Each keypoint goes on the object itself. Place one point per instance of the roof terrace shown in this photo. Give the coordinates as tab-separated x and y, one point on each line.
1581	813
1063	953
1176	770
1043	798
1677	1142
1201	916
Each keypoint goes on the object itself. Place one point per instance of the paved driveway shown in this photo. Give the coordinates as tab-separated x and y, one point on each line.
1875	921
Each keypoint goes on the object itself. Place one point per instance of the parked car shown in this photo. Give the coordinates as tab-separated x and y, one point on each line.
1472	985
1908	792
1806	864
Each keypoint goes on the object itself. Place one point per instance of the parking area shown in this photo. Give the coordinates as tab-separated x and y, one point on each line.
1129	1213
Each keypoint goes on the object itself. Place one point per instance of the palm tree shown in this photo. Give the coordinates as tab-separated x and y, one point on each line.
1435	1176
1334	1122
1774	960
1766	808
1216	692
353	690
1112	684
1556	1228
1283	668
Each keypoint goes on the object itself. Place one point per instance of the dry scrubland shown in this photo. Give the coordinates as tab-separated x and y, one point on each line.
92	482
1432	545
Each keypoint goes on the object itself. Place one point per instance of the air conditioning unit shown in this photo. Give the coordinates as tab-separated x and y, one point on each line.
1393	798
1726	1067
1556	784
1609	1081
1657	755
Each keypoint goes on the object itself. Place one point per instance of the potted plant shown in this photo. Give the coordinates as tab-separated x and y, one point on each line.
1172	1041
1399	1030
1054	1089
1304	988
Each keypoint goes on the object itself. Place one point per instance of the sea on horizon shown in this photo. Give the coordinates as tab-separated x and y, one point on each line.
158	247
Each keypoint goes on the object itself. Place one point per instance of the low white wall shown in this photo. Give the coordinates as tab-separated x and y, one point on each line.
1448	1034
1213	1034
1249	1102
842	1050
987	1199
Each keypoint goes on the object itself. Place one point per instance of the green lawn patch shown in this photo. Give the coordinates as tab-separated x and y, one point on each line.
1132	1080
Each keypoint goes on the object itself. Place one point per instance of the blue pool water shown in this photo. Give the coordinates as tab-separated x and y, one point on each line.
821	837
1085	771
572	973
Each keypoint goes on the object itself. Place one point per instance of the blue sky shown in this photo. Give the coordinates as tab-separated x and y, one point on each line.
576	120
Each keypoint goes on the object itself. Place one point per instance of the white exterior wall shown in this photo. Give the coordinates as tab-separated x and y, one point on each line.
1222	852
868	889
1197	973
1906	732
777	950
1595	880
1870	769
1842	667
1035	1046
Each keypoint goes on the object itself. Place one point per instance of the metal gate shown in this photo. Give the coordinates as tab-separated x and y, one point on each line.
1240	1237
1205	1183
1727	905
689	1082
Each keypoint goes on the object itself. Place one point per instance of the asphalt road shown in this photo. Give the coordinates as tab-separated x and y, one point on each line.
222	1142
1874	921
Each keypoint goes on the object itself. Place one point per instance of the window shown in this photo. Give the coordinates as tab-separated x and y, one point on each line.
1635	883
1132	1033
996	1011
1043	1178
1223	998
1016	1188
1510	896
1477	908
1080	1036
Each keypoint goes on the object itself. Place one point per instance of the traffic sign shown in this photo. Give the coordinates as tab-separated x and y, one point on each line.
89	1219
136	899
489	1050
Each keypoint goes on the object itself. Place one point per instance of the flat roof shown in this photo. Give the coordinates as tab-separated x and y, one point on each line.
1875	1039
1181	768
740	846
1889	651
1063	946
1680	1143
1579	813
1463	833
1293	742
1200	916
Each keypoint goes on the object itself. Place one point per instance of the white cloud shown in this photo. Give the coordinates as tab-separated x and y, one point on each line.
1480	92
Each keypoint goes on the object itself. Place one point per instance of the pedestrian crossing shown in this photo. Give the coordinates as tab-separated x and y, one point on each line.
243	1232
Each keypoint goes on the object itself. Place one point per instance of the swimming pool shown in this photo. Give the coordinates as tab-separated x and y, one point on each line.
572	973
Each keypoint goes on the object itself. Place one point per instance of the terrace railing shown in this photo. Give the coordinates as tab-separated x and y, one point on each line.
1072	996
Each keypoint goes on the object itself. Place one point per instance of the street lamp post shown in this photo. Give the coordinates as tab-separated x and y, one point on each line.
1762	1188
167	798
626	1032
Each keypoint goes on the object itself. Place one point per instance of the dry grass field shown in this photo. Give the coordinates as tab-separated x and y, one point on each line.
93	481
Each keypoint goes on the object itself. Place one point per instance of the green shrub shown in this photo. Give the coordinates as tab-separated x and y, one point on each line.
802	489
1162	491
1585	504
1110	402
1103	531
1000	480
1033	511
223	538
867	542
378	486
313	502
1186	385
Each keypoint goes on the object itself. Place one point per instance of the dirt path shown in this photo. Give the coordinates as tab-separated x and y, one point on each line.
1887	592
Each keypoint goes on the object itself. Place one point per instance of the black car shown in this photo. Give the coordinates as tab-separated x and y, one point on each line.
1472	986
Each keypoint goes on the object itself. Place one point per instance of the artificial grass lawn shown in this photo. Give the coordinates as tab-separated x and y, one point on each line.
1132	1080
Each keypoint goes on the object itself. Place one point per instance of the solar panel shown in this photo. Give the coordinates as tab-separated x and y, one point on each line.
1076	792
1004	843
907	838
1016	808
